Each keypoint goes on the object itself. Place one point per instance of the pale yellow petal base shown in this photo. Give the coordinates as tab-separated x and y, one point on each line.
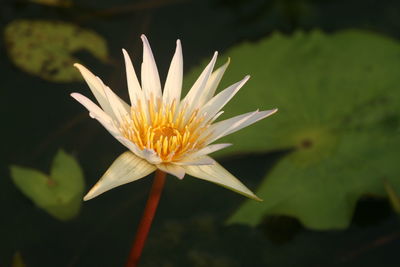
125	169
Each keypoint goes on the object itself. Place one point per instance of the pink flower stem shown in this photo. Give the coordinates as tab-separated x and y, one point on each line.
147	219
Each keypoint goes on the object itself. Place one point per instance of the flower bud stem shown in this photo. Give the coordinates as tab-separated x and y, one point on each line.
147	218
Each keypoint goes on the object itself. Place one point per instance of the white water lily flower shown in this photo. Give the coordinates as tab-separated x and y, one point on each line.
162	131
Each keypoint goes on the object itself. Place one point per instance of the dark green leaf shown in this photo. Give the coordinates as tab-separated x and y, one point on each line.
339	111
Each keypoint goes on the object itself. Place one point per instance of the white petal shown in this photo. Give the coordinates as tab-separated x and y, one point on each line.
194	94
126	168
173	84
119	107
209	149
131	146
172	169
219	128
219	101
97	113
96	88
217	174
256	117
150	78
135	91
213	83
196	161
107	123
216	116
146	154
225	127
151	156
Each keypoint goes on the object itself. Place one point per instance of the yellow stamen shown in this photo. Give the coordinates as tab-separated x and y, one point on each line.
167	129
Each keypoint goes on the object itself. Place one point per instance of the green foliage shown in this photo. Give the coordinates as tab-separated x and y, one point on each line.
60	193
339	112
394	198
45	48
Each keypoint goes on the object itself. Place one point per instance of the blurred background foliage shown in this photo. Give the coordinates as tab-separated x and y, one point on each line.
45	48
323	164
59	193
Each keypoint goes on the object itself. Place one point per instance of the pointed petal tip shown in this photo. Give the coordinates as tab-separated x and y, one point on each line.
91	194
86	73
126	55
256	198
242	82
215	55
270	112
266	113
226	64
86	198
145	41
143	37
81	68
219	175
78	97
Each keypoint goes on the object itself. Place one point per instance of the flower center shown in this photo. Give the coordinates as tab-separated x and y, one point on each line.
162	132
172	132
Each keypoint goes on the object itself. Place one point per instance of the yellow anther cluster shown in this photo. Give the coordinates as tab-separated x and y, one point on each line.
166	129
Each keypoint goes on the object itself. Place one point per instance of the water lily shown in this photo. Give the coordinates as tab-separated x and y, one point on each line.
163	131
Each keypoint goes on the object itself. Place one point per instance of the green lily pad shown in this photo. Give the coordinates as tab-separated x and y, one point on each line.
339	112
46	48
60	193
394	198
